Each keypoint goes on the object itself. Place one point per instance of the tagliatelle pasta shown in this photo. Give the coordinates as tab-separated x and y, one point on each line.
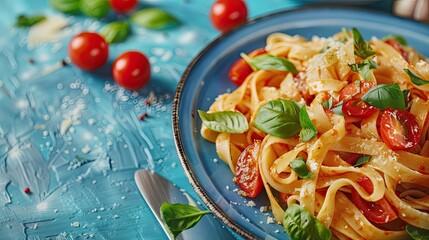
397	175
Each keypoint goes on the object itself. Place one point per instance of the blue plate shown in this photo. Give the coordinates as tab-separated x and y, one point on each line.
207	77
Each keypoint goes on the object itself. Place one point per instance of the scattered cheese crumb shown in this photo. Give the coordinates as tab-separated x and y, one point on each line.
250	203
75	224
263	208
270	220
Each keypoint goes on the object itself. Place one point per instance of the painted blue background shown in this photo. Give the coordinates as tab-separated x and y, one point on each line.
99	193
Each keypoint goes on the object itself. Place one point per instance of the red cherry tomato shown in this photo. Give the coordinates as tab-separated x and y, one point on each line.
131	70
283	197
88	50
377	212
358	108
123	6
399	129
240	69
353	159
227	14
352	90
247	173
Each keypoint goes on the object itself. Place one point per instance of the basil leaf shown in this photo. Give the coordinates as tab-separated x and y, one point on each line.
338	109
154	18
95	8
362	48
398	38
416	79
417	233
66	6
299	166
270	62
279	118
28	21
327	104
363	68
115	32
300	224
406	92
361	160
308	130
346	35
385	96
179	217
226	121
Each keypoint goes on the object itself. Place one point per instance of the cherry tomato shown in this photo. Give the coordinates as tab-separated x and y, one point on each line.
357	108
283	197
88	50
123	6
227	14
240	69
352	90
131	70
398	47
399	129
247	173
377	212
353	159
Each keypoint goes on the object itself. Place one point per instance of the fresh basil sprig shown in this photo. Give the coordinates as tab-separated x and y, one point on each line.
95	8
361	160
66	6
417	233
416	79
300	224
308	130
279	118
385	96
28	21
363	68
328	104
115	32
299	166
405	93
338	108
398	38
225	121
269	62
179	217
154	18
362	48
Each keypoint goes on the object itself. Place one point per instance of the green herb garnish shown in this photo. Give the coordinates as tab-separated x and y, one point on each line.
416	79
300	224
362	48
364	68
385	96
308	130
270	62
95	8
28	21
179	217
328	104
361	160
66	6
225	121
154	18
398	38
417	233
115	32
279	118
299	166
338	108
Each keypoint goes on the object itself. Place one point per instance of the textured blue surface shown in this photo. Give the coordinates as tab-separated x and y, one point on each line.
208	78
95	192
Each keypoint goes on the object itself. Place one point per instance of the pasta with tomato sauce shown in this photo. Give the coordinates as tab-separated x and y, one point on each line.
337	125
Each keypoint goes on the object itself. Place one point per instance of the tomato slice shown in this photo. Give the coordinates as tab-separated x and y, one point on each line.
399	129
240	69
353	159
377	212
283	197
247	173
358	108
352	90
398	47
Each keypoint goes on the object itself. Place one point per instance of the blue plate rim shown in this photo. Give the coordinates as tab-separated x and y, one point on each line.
181	84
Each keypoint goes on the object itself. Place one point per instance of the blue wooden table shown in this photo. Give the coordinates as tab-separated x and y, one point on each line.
81	181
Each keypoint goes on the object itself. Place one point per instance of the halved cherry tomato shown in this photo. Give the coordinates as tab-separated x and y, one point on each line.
283	197
357	108
227	14
398	47
88	50
353	159
240	69
247	173
131	70
399	129
377	212
352	90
